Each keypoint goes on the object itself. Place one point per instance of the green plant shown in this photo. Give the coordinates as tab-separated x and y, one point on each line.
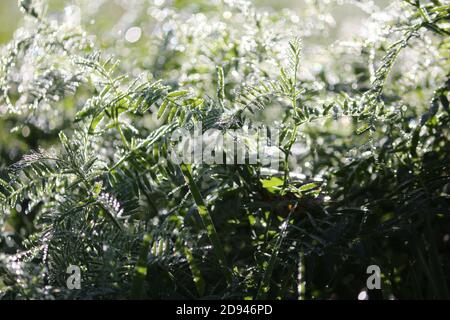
364	177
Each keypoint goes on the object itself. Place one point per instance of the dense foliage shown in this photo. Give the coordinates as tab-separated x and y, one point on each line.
87	107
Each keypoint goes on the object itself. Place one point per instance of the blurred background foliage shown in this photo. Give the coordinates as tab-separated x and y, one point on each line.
99	19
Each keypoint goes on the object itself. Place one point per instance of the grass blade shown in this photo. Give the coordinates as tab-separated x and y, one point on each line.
207	221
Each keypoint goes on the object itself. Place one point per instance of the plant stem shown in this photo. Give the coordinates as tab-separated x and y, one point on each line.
287	152
207	221
137	290
264	286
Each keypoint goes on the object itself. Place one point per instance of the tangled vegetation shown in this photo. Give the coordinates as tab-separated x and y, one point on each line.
87	106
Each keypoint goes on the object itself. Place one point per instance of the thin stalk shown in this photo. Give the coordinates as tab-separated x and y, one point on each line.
207	221
140	273
293	96
195	270
122	136
287	152
264	286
